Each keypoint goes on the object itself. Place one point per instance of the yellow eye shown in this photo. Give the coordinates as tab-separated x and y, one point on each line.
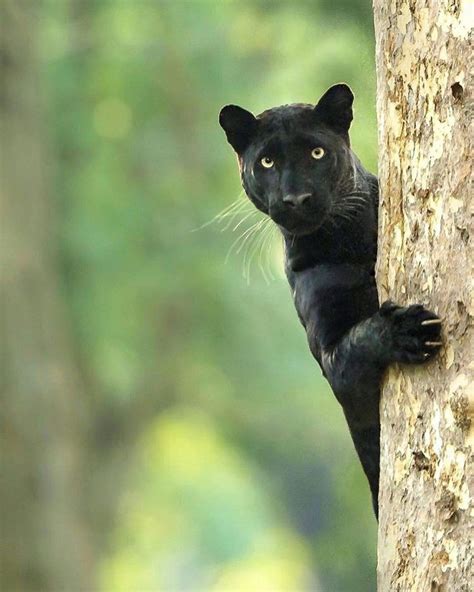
267	162
317	153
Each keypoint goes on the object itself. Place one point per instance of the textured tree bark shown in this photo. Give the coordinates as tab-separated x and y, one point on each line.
425	255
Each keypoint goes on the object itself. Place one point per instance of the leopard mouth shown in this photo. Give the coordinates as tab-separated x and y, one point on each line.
299	226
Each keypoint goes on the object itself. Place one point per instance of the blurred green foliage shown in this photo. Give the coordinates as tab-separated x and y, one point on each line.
248	481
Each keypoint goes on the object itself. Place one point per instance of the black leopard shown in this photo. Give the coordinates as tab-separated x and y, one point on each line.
297	166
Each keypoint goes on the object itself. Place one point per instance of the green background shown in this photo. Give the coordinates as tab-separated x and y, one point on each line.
244	476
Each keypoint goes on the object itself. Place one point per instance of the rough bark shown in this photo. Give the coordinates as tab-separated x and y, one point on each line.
425	255
43	542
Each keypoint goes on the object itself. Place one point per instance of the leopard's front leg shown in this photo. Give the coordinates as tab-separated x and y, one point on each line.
354	367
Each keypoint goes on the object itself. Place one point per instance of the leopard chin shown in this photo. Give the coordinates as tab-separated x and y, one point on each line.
300	229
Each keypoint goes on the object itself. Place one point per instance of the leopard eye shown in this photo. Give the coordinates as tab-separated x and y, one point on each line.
266	162
317	153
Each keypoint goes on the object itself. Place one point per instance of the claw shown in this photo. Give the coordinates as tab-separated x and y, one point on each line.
433	343
431	322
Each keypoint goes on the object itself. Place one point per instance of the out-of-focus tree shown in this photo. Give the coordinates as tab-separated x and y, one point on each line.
44	544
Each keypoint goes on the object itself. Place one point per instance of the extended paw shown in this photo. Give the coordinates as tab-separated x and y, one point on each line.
414	332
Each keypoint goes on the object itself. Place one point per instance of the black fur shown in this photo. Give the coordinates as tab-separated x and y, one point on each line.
326	208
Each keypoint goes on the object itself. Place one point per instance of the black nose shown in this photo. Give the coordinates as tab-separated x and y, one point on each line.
293	200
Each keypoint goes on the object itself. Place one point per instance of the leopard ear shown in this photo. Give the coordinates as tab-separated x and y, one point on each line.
335	108
239	126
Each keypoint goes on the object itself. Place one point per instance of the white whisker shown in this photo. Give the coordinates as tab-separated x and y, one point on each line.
252	213
248	255
235	205
267	232
268	251
253	229
252	249
246	234
244	208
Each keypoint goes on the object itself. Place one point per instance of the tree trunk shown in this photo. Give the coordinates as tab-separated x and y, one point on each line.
43	542
425	150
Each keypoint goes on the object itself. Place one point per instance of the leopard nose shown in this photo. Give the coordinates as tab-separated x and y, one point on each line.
293	200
